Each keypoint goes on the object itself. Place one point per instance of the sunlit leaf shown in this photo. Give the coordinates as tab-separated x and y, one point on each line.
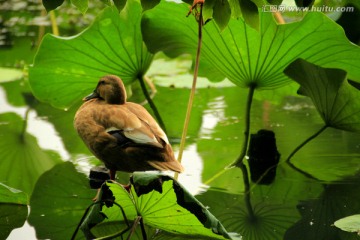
59	201
335	99
164	204
247	56
349	224
66	69
22	160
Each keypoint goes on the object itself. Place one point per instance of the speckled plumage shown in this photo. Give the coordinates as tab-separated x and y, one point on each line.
122	134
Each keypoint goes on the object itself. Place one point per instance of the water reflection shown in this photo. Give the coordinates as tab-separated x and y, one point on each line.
293	203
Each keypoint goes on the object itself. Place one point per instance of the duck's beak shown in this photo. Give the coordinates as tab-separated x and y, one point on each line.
91	96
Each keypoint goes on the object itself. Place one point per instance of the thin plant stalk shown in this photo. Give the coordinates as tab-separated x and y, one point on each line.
306	141
193	88
54	26
24	127
151	103
241	157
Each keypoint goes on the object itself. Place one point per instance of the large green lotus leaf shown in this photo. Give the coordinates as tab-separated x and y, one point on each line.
247	56
335	99
68	68
164	204
59	201
22	160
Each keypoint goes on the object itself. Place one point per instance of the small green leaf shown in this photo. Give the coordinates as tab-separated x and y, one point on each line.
82	5
149	4
119	4
222	13
250	13
349	224
52	4
335	99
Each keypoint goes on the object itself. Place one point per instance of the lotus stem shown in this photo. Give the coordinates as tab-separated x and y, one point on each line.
240	159
151	103
54	26
24	127
305	142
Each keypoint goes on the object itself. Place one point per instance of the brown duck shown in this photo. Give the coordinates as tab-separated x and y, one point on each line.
122	134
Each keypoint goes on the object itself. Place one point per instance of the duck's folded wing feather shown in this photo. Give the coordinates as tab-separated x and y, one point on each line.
142	136
146	119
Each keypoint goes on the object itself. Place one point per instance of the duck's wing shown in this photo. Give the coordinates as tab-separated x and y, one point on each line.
148	125
135	123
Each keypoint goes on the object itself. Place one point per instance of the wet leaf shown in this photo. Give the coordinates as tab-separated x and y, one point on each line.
349	224
335	99
59	201
66	69
247	56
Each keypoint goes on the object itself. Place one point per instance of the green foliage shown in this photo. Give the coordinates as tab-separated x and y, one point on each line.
246	56
335	99
163	204
111	45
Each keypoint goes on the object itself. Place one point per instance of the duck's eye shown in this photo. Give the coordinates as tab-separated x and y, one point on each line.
102	82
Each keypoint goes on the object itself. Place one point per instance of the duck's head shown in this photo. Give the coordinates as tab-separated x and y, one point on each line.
111	89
